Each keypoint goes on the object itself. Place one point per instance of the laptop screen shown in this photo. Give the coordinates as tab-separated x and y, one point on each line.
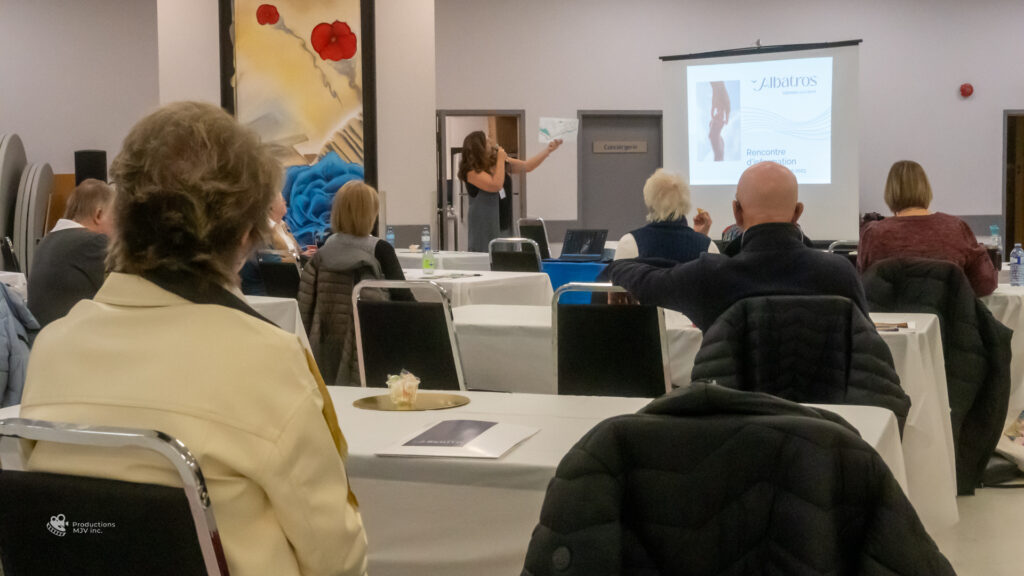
584	241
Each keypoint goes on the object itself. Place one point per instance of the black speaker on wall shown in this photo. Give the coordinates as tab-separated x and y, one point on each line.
90	164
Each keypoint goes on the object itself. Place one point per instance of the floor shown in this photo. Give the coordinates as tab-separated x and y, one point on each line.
988	539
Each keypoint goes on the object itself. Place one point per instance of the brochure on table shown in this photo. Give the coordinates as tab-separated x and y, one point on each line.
461	439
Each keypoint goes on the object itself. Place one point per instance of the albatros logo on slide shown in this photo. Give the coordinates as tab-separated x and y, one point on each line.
784	82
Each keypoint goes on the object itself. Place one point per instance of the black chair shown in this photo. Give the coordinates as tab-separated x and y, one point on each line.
609	349
514	255
846	248
418	336
536	230
802	348
64	524
280	277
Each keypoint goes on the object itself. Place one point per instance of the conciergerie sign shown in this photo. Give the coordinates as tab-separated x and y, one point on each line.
620	147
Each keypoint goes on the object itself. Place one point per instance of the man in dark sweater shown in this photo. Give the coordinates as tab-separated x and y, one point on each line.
68	265
772	259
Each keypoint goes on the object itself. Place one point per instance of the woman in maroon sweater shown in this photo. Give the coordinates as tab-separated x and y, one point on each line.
917	233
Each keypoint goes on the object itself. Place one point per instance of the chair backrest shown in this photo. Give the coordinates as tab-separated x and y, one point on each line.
536	230
281	278
514	255
416	336
843	246
847	248
58	523
608	349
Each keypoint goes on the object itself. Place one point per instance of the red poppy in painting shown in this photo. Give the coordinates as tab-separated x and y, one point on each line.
334	41
267	14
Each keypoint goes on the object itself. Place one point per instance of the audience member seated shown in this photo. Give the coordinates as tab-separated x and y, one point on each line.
69	262
351	254
667	197
169	344
279	243
915	232
772	258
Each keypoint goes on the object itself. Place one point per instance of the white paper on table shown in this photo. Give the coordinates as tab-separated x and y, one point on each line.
558	128
911	326
494	442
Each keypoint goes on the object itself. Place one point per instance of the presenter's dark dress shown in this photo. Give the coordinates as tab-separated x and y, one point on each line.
490	216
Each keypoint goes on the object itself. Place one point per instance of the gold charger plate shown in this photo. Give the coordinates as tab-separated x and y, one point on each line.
424	401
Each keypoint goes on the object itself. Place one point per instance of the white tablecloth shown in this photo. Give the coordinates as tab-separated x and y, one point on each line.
471	517
509	348
514	288
446	260
928	434
1007	306
281	311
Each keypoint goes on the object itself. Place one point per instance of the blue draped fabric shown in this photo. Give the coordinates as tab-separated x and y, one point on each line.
309	191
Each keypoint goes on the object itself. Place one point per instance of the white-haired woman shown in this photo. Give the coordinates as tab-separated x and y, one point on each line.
667	234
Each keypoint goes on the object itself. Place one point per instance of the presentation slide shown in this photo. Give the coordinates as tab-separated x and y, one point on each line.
742	113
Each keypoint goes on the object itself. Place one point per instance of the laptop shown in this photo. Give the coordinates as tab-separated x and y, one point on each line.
583	245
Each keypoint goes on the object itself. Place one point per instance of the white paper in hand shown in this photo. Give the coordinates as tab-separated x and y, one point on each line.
558	128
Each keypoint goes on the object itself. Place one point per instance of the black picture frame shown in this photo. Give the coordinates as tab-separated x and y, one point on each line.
226	16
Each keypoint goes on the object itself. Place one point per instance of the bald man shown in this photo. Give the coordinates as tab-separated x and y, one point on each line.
772	259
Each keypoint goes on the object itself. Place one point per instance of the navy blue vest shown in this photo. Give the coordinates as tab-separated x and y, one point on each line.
673	240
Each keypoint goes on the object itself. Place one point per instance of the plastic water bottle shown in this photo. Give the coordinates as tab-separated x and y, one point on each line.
389	235
997	239
1017	266
428	254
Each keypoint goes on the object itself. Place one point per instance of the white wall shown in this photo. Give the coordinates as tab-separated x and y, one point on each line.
456	131
554	58
189	69
406	110
75	75
188	33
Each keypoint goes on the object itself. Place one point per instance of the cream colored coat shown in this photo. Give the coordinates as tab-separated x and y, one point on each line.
236	390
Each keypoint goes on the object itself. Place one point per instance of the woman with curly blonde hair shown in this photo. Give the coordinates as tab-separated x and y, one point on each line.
169	344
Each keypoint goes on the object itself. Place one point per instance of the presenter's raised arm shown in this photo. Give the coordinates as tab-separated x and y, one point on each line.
518	166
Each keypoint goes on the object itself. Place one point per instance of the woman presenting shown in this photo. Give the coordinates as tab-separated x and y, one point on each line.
485	169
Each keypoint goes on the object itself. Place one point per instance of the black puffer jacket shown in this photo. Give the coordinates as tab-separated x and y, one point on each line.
325	304
975	345
802	348
710	481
